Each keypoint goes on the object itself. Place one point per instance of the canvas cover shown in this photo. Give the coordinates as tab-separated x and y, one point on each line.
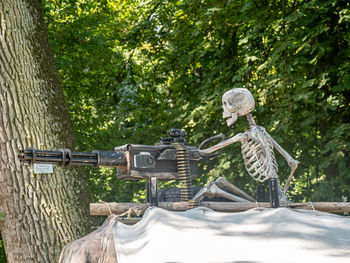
257	235
96	247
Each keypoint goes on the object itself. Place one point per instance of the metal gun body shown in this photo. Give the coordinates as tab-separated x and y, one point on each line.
131	161
170	159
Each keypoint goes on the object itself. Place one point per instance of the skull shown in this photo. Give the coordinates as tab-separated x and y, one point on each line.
236	102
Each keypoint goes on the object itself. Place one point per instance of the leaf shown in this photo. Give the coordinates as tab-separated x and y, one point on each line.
308	83
344	16
246	6
250	58
243	41
300	48
262	66
347	82
213	10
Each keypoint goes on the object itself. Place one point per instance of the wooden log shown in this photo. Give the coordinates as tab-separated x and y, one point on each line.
120	208
330	207
101	209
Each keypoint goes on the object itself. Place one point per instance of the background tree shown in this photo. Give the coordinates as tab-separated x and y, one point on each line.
39	213
133	69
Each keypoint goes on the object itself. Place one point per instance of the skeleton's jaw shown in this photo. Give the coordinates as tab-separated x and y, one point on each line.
231	119
230	122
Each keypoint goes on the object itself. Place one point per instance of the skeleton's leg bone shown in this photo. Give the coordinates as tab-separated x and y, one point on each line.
223	183
214	190
201	194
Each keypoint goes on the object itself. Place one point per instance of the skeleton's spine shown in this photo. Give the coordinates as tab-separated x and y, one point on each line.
251	120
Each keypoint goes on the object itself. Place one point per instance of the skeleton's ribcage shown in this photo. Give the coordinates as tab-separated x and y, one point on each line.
259	159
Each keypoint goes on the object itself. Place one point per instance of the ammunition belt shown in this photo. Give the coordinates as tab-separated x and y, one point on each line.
184	173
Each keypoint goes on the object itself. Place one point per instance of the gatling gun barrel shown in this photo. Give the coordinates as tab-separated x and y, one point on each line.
67	158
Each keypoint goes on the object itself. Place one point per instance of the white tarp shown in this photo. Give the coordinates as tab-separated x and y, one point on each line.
257	235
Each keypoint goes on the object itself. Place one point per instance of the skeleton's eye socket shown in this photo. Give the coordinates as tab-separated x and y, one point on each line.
225	103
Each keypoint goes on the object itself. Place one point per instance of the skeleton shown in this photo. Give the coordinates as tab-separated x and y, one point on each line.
257	149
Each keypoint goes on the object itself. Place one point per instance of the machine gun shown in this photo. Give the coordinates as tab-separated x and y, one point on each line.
171	158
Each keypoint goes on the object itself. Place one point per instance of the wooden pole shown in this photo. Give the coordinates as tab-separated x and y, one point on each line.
120	208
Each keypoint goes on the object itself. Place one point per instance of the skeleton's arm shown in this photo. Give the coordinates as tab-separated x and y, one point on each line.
237	138
291	162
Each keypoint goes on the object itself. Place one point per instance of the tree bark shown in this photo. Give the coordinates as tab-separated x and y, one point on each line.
43	212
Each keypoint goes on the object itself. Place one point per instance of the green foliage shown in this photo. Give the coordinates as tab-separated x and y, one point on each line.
2	252
133	69
2	216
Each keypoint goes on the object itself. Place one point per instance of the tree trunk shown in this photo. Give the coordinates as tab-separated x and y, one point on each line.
43	211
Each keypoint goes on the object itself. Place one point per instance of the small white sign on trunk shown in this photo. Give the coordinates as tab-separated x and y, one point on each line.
40	168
